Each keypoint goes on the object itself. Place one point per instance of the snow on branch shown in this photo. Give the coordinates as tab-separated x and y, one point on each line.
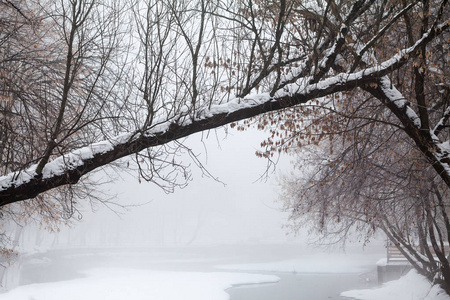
326	63
441	124
429	144
396	98
380	33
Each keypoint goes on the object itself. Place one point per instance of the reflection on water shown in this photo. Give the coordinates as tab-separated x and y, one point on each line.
304	287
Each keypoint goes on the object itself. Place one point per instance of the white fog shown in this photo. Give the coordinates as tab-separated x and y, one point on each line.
237	208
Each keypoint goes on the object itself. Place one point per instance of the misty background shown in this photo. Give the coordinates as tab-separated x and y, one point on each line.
241	206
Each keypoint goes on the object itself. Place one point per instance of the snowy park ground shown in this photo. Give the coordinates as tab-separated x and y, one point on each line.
202	273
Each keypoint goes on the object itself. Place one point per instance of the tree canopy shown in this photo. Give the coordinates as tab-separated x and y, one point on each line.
85	83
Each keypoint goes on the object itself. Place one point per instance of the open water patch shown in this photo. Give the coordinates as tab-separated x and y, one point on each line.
304	286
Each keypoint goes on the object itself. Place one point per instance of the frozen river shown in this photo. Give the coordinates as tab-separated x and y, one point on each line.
263	272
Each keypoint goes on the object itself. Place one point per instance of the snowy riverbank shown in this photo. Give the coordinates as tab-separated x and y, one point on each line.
119	284
204	273
412	286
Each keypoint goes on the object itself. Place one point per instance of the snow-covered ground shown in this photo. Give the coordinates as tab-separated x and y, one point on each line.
159	273
206	273
412	286
134	284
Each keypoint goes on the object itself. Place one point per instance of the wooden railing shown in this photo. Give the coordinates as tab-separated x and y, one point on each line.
394	255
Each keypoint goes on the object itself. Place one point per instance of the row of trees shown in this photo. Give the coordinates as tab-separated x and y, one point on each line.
84	83
357	169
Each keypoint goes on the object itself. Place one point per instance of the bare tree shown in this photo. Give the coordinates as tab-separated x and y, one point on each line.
369	174
359	183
